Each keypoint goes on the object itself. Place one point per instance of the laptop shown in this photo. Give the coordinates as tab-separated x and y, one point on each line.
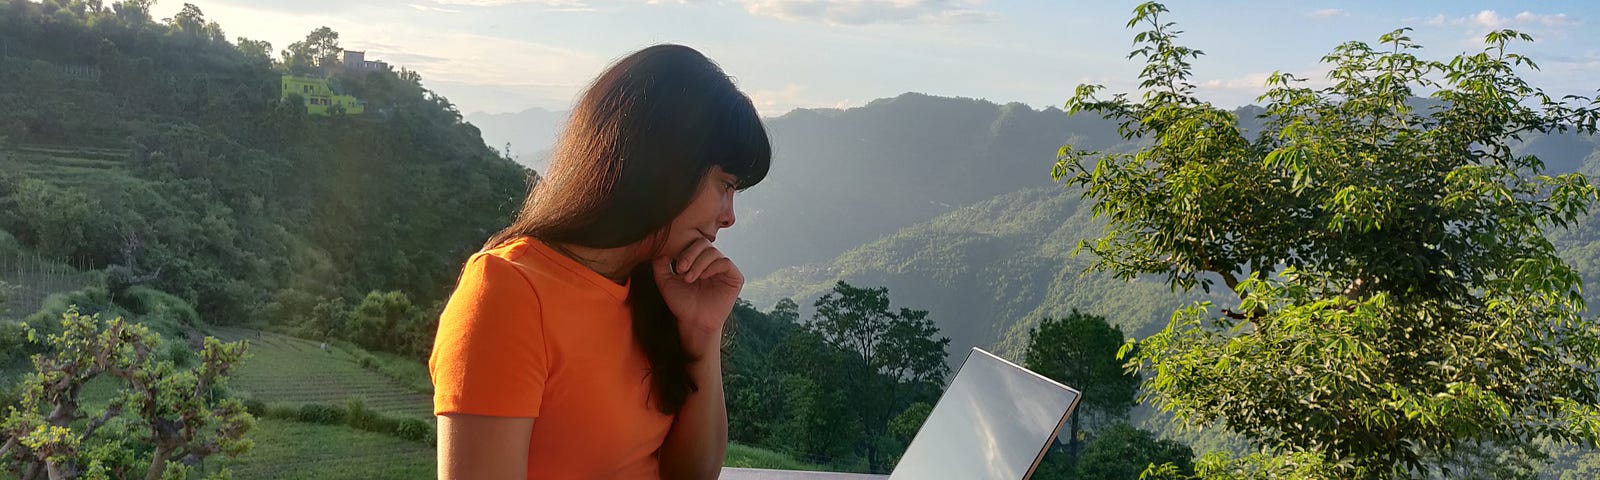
995	421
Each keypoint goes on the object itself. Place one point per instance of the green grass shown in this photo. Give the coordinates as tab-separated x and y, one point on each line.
293	450
411	373
284	369
744	456
65	167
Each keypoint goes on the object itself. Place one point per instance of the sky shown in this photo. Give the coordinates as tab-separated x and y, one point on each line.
498	56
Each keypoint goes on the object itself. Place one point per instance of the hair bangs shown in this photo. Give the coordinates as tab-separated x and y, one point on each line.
745	151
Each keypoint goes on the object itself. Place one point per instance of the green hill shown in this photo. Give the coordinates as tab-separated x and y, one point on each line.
987	273
843	178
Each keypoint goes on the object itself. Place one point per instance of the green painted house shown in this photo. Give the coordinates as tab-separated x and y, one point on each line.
318	98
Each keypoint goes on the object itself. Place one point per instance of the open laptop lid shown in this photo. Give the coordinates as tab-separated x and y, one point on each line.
995	421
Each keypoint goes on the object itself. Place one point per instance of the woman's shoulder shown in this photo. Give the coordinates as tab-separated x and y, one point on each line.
512	250
518	257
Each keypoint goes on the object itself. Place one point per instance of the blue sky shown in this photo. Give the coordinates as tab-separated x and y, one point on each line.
508	55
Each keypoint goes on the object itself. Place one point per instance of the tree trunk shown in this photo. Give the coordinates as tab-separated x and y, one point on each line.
56	471
1074	444
158	463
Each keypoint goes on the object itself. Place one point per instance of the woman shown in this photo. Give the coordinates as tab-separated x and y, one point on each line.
584	340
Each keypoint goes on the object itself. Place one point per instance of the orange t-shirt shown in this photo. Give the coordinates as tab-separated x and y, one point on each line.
532	333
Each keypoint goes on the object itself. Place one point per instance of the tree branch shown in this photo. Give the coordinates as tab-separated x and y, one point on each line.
111	412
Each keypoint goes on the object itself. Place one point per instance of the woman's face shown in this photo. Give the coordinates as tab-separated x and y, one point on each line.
710	210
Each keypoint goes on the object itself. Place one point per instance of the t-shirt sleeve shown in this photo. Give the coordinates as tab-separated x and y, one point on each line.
489	354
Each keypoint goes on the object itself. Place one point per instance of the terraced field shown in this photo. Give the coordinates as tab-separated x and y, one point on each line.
284	369
68	166
292	450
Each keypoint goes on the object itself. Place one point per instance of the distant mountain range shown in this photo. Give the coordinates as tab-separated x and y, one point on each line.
530	133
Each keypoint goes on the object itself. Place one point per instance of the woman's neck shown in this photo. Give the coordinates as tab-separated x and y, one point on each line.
612	263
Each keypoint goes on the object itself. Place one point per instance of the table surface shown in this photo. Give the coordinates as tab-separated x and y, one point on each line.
756	474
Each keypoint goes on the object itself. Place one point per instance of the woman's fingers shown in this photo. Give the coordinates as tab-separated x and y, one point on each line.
663	268
723	266
685	260
698	268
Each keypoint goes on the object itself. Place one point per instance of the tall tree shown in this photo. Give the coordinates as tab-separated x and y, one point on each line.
896	353
1081	351
320	49
1398	300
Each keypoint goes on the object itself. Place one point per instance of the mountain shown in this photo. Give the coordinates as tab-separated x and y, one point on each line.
168	157
988	273
531	133
842	178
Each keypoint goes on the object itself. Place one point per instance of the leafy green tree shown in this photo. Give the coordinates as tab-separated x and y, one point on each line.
1122	452
818	418
163	421
904	427
257	51
385	321
1081	351
320	49
189	20
894	354
1398	300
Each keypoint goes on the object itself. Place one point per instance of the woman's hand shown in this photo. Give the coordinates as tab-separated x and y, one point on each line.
700	285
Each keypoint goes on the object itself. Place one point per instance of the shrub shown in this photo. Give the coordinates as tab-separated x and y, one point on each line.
323	414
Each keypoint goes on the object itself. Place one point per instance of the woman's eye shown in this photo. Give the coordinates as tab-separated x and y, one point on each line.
728	185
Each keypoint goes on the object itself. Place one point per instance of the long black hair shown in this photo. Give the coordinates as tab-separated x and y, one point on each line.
633	153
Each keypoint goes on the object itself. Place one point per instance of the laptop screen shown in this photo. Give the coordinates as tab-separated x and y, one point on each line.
994	422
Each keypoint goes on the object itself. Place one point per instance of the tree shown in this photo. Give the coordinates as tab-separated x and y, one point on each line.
320	49
189	20
255	51
895	353
163	421
1122	452
1081	350
1398	300
388	321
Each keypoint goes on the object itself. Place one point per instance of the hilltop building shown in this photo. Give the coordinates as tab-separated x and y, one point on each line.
318	98
356	60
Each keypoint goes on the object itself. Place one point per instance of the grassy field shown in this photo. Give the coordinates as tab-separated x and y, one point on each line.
744	456
68	166
284	369
293	450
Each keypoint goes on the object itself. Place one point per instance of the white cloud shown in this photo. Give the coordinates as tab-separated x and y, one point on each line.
1527	18
1252	81
1486	20
772	103
1328	12
864	12
499	3
1475	26
425	8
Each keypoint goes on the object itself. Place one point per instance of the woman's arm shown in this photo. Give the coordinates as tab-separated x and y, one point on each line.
476	446
698	441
